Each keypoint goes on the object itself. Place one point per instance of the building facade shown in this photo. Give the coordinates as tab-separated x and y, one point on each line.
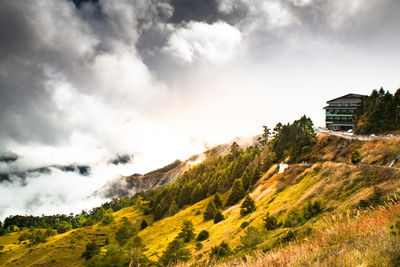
339	112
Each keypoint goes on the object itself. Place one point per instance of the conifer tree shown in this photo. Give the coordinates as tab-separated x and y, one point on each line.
173	209
185	195
218	201
158	213
256	175
236	194
143	224
218	217
197	194
248	206
210	212
187	229
223	183
246	179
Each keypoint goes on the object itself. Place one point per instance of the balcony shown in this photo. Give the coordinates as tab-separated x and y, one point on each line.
339	114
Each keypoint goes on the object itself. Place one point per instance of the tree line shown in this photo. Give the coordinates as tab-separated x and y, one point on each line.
378	113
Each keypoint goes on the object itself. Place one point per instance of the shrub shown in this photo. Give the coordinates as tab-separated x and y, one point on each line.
210	212
199	245
244	225
63	226
221	250
356	157
247	206
92	249
143	224
218	217
203	235
289	236
271	222
125	232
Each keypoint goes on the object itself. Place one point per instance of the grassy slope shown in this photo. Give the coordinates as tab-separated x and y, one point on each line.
338	185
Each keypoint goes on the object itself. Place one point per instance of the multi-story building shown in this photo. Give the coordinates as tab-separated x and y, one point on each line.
339	112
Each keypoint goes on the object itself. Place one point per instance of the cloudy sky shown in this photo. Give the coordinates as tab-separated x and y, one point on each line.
82	82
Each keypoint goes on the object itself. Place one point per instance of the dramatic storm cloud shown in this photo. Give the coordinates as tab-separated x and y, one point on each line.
88	83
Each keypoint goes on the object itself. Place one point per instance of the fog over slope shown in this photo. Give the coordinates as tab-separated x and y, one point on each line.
84	81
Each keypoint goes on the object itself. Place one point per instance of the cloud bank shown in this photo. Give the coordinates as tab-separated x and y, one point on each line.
82	82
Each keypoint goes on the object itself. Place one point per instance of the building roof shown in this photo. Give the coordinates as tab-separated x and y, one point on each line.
347	98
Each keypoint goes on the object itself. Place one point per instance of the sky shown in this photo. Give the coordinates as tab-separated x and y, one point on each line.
84	82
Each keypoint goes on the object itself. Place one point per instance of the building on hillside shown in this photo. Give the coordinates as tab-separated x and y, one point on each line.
339	112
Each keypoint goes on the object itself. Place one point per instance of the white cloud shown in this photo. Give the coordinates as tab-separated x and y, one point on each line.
197	41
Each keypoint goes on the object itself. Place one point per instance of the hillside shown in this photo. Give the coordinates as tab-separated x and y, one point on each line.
327	208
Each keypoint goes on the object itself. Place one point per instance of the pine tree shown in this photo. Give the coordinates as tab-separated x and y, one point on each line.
218	201
236	194
263	139
218	217
210	212
247	206
256	175
174	252
246	179
197	194
187	229
136	250
173	209
143	224
223	183
158	213
185	195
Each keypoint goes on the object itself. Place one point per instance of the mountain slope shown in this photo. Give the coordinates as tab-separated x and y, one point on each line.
329	178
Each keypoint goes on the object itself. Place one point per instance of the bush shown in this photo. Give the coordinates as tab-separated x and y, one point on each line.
299	217
125	232
199	245
289	236
356	157
244	225
203	235
92	249
63	226
221	250
218	217
143	224
271	222
247	206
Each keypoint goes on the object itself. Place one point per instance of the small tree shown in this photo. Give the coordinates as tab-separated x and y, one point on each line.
271	222
125	232
92	249
203	235
187	233
136	251
197	194
174	252
218	217
158	213
218	201
173	209
356	157
236	194
221	251
143	224
107	217
210	212
63	227
247	206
